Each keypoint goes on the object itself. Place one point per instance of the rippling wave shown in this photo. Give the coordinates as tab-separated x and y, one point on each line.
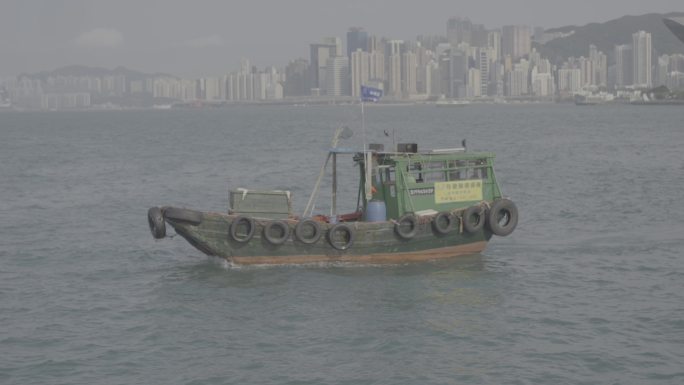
588	289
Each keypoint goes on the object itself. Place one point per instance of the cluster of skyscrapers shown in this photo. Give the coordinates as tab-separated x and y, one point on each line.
469	61
474	62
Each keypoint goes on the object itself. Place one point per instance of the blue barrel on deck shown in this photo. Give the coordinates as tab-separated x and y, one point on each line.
376	211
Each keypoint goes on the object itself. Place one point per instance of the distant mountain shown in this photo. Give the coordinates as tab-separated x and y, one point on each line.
605	36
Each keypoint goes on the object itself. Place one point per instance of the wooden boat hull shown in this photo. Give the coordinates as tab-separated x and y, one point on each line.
373	242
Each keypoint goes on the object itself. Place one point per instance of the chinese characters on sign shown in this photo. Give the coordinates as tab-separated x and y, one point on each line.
460	191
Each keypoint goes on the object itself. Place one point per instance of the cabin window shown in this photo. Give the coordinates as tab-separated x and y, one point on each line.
477	169
415	171
464	170
388	174
456	168
434	172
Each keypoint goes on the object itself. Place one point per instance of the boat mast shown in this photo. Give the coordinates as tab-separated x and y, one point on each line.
340	132
333	209
366	155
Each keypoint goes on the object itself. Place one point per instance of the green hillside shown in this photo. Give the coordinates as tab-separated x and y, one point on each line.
605	36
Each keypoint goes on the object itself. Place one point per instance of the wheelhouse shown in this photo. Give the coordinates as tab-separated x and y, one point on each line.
441	180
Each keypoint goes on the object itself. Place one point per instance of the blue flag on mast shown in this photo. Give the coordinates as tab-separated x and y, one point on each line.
370	94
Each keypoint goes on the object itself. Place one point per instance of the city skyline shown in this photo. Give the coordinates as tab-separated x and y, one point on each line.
210	38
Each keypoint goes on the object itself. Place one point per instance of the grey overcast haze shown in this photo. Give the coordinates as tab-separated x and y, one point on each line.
208	37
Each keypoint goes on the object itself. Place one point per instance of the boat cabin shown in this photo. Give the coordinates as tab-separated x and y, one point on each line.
391	184
411	181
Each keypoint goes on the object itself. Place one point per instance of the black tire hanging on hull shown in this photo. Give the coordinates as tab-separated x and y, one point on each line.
443	222
406	226
348	234
280	226
155	219
301	234
234	227
503	217
473	219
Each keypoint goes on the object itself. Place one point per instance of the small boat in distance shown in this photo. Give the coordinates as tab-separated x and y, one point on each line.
452	103
593	99
412	205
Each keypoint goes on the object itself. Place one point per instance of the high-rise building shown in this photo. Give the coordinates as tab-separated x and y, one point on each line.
435	84
261	83
516	41
479	36
441	79
459	30
642	52
483	65
662	70
376	66
542	79
357	39
623	65
474	88
458	71
210	88
569	80
675	80
587	72
297	78
320	53
394	75
516	82
496	82
676	63
494	44
334	41
337	76
408	74
601	68
374	44
599	63
424	78
360	71
393	50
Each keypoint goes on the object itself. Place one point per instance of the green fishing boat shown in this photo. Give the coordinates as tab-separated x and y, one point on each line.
412	206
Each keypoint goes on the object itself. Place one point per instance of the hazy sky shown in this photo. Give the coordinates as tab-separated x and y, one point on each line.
208	37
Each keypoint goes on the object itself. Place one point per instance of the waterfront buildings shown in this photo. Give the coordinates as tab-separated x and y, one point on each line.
470	61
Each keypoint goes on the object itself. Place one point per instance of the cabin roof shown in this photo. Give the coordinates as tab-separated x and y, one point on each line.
436	154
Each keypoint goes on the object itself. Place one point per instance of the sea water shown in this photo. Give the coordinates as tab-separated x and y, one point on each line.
588	289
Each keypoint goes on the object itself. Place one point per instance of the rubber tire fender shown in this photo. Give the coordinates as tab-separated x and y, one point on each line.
471	211
439	219
185	215
299	231
413	223
276	240
234	228
341	227
499	209
155	218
